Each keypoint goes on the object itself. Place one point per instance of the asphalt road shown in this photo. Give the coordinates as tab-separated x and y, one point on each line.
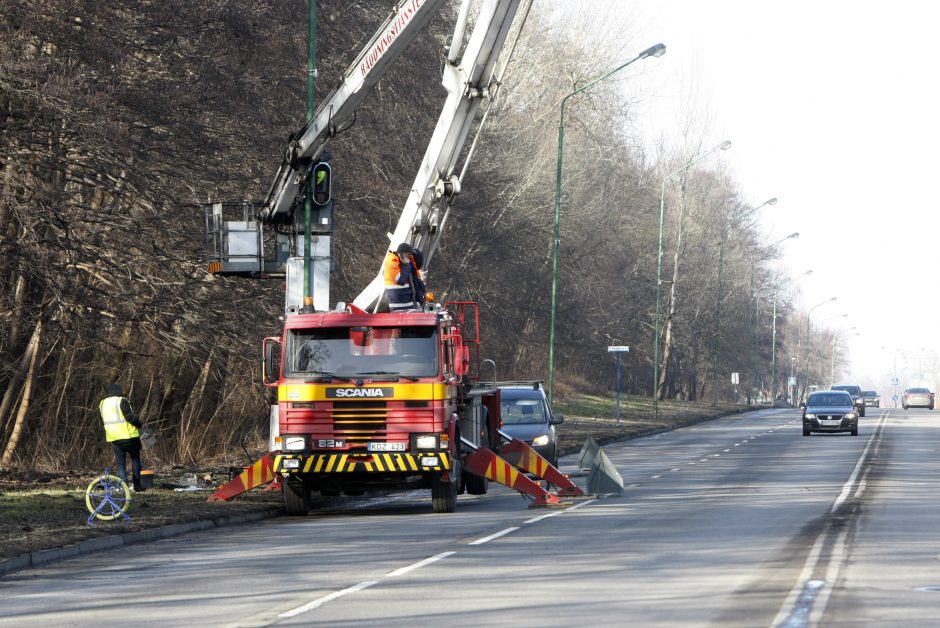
740	521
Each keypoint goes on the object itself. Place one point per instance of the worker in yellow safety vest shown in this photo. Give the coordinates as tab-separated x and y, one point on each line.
122	430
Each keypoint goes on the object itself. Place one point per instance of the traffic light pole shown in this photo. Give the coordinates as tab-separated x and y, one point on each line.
308	200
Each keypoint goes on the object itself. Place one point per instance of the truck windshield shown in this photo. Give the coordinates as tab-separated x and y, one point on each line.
380	352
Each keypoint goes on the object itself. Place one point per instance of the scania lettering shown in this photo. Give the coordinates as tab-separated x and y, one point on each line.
360	392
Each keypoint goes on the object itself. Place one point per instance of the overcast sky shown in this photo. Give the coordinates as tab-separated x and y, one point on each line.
832	107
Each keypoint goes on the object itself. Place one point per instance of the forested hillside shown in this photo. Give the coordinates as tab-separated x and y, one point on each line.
121	118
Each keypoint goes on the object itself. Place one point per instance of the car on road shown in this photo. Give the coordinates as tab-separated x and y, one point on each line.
917	398
830	411
856	393
527	415
872	398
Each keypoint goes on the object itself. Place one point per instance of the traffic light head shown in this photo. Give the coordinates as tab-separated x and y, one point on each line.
322	183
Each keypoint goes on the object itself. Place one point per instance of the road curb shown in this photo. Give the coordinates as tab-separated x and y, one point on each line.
41	558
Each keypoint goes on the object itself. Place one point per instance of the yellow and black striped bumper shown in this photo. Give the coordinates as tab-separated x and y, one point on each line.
373	463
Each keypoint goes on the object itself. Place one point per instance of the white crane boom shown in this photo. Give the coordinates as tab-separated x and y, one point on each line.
467	83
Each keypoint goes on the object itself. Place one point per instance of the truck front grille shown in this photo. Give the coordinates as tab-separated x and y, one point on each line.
359	422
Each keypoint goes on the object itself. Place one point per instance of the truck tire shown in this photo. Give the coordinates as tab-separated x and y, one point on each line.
475	484
296	493
444	494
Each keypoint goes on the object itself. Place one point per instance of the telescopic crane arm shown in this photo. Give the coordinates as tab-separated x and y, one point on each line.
437	183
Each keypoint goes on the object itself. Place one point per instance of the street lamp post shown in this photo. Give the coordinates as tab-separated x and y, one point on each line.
659	267
721	253
773	347
799	345
791	389
750	295
653	51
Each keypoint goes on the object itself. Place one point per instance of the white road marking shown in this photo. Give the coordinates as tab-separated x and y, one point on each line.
582	504
807	601
327	598
489	538
545	516
421	563
309	606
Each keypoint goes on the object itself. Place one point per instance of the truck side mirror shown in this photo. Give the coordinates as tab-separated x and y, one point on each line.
271	364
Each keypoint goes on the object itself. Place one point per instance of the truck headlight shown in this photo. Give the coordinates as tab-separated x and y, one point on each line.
538	441
426	441
290	463
294	443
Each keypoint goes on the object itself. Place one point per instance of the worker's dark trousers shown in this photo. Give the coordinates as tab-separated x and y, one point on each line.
123	448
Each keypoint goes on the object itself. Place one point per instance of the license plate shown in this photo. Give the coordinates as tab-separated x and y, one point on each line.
386	446
830	423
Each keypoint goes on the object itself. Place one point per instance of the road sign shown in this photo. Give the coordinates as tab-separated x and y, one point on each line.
895	381
791	381
618	349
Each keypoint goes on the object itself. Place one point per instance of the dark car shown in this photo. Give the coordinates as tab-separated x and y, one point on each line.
917	398
526	415
871	398
830	411
856	393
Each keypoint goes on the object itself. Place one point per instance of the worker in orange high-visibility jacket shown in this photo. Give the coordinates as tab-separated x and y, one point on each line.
122	430
403	285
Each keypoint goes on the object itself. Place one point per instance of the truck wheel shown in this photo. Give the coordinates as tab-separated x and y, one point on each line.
444	494
475	484
296	493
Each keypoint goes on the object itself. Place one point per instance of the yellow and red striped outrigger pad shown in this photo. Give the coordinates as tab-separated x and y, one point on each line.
261	472
485	463
524	457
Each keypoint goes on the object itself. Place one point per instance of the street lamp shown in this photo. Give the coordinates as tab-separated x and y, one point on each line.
721	253
750	295
791	394
659	266
653	51
808	313
773	347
